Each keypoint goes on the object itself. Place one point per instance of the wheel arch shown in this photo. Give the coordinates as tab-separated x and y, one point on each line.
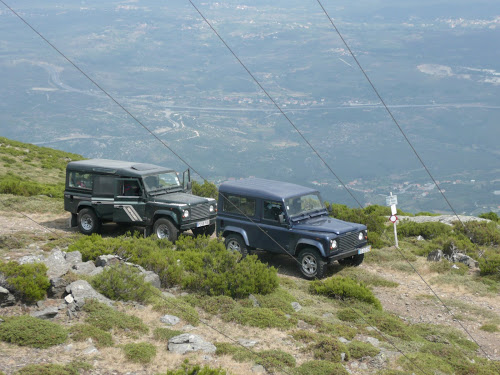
167	215
230	230
304	243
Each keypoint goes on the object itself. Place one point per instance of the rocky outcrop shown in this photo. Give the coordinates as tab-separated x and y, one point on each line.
81	291
445	219
187	342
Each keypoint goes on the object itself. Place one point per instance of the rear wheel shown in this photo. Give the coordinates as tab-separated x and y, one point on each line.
88	222
234	242
312	264
207	231
353	261
165	229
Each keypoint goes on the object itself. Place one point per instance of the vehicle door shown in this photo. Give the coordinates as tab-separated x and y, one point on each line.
241	212
277	235
130	205
103	198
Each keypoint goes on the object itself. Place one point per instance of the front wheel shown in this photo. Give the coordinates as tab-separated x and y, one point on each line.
312	264
234	242
165	229
88	222
353	261
206	231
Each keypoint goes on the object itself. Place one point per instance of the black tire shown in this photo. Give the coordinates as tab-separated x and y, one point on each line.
88	222
234	242
353	261
312	264
206	231
165	229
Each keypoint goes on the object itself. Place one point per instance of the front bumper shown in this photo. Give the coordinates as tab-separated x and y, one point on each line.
346	254
196	224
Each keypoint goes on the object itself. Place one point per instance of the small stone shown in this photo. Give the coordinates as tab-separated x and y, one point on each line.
258	369
343	340
296	306
69	299
327	315
90	350
188	327
188	342
48	313
247	343
252	298
342	357
170	320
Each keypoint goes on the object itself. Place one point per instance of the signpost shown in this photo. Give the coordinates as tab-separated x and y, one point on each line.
392	200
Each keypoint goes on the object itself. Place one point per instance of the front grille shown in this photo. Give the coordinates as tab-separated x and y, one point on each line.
200	211
349	241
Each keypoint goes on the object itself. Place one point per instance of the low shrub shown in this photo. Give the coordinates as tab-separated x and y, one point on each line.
26	330
72	368
445	266
275	359
489	327
490	216
142	352
29	280
344	288
329	349
165	334
125	283
366	277
213	304
177	306
207	189
359	349
320	368
479	232
489	264
259	317
279	299
187	369
15	185
82	332
107	318
427	230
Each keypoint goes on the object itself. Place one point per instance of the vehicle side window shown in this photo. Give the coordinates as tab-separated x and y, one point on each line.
80	180
272	211
130	188
104	186
239	205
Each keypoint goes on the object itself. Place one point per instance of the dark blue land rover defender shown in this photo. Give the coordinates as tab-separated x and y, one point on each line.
281	217
99	191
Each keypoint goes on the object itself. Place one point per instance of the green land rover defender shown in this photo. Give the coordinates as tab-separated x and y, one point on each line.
99	191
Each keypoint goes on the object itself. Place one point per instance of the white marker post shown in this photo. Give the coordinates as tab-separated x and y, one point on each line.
392	200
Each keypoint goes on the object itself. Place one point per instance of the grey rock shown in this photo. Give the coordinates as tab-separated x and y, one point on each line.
327	315
170	320
303	325
467	260
82	291
68	348
168	295
6	298
258	369
420	238
252	298
247	343
90	350
435	256
188	342
69	299
48	313
31	259
152	278
141	269
188	327
342	357
57	287
56	264
84	268
96	271
107	260
343	340
296	306
73	257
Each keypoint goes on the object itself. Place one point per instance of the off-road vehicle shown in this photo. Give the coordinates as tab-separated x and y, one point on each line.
99	191
280	217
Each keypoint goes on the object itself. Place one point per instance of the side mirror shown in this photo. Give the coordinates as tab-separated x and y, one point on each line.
282	219
186	179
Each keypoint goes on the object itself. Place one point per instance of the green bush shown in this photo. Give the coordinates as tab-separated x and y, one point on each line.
371	216
489	264
445	266
275	359
489	327
142	352
490	216
72	368
344	288
15	185
200	264
213	304
320	368
177	306
479	232
207	189
359	349
259	317
125	283
107	318
329	349
187	369
26	330
29	280
428	230
82	332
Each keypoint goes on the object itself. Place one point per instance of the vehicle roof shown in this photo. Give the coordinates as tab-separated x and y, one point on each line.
262	188
116	167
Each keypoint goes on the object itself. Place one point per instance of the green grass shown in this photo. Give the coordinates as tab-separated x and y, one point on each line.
72	368
359	349
26	330
165	334
320	368
260	317
142	352
270	359
107	318
489	327
82	332
179	307
366	277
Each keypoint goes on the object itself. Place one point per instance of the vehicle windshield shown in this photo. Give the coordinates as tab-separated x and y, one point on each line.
304	204
162	181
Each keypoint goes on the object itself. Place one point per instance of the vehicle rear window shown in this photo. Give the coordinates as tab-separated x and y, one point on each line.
104	186
80	180
239	205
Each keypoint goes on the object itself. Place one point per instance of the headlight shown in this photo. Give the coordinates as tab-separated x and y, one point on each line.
361	236
185	214
333	244
211	208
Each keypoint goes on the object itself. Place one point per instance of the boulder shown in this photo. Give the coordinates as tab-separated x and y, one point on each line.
84	268
73	257
247	343
81	291
296	306
48	313
435	256
170	320
6	298
57	287
467	260
30	259
188	342
107	260
56	264
153	278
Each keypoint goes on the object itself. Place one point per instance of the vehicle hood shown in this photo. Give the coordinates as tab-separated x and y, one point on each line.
180	198
328	224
